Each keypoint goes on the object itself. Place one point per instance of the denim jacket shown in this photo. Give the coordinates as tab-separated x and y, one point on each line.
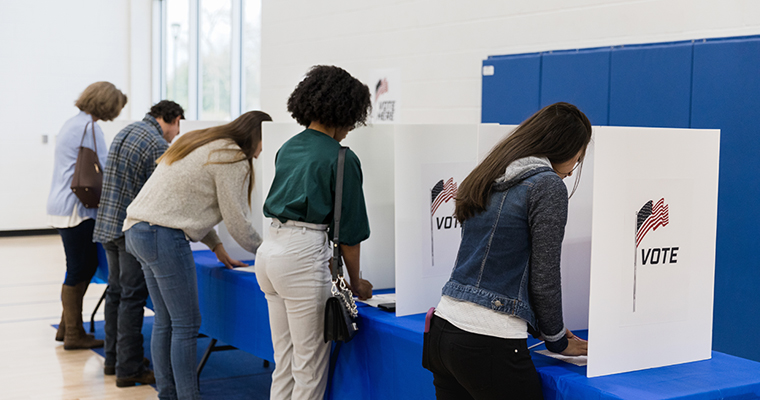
509	256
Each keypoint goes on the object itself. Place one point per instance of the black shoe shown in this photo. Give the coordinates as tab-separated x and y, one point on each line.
111	369
144	378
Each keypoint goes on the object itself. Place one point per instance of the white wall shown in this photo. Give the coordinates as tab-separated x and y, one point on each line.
439	45
50	50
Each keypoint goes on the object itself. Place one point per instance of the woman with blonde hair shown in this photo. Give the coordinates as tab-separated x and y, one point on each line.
205	177
74	221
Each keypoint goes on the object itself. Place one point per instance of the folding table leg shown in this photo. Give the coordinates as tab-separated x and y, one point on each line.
202	364
92	317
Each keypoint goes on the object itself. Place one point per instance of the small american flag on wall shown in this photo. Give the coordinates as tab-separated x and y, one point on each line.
381	87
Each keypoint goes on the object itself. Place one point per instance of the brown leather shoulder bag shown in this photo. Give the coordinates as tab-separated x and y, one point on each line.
88	173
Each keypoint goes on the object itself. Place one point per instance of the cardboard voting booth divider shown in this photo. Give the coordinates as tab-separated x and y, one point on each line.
112	128
653	247
375	148
431	161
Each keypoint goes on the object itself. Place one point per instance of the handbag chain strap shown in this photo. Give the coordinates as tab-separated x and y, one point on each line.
339	287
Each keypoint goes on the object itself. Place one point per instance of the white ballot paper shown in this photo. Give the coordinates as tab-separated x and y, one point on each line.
575	360
379	299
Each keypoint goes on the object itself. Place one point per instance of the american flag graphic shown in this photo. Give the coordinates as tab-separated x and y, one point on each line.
381	87
649	218
442	193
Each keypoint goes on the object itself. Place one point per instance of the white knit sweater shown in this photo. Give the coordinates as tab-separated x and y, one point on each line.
194	195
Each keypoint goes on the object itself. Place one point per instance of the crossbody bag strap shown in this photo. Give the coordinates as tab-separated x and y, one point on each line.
337	267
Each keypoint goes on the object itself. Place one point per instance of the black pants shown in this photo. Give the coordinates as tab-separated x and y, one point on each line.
81	252
470	366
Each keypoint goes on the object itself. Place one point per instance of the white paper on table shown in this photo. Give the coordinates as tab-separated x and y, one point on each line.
250	269
576	360
380	299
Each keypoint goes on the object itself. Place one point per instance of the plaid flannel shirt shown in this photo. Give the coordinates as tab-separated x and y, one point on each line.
131	161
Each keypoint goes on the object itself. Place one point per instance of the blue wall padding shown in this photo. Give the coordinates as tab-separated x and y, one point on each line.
726	95
580	78
703	84
510	95
650	85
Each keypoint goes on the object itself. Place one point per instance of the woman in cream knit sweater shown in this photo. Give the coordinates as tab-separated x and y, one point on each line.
204	178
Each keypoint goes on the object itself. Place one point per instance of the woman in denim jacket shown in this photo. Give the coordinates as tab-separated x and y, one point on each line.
506	281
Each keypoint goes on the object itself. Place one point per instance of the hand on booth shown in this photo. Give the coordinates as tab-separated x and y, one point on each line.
360	287
224	258
362	290
575	345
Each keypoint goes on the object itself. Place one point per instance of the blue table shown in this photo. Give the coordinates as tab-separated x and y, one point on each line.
384	359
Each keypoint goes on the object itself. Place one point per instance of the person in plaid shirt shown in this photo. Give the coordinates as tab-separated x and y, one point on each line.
131	161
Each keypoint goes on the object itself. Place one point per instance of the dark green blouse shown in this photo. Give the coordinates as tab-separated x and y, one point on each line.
304	186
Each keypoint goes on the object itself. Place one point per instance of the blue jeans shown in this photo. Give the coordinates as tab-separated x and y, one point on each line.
124	310
169	269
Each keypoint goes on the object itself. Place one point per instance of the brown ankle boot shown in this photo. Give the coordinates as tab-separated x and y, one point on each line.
82	289
61	326
61	330
74	336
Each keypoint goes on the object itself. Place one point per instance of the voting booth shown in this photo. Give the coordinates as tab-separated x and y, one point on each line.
654	215
638	258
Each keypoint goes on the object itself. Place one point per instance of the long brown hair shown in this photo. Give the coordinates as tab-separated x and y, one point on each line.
245	131
558	132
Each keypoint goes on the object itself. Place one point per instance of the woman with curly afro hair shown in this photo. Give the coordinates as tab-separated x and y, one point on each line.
292	265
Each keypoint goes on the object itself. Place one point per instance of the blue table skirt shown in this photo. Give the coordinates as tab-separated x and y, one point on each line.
384	359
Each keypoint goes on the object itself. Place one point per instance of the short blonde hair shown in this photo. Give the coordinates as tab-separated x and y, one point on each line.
102	100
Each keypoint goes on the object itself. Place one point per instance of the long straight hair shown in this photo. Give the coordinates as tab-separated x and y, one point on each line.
558	132
245	131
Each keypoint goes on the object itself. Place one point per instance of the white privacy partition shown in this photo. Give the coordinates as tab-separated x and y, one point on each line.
576	247
489	135
430	162
186	126
653	247
112	128
374	147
